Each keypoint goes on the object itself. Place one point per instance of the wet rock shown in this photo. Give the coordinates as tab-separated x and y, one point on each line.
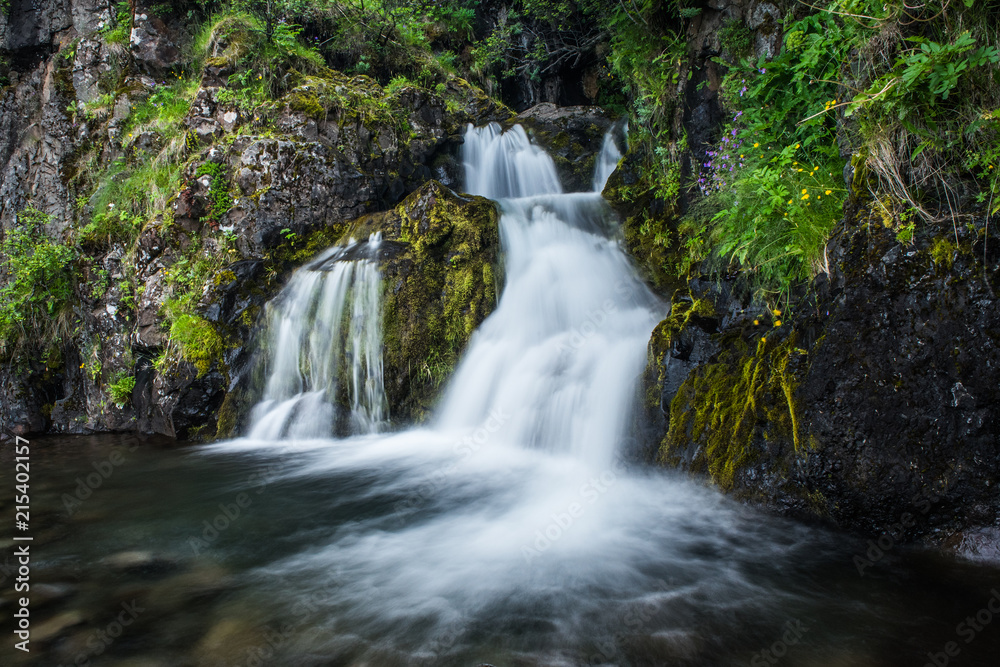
227	642
440	264
872	407
573	136
44	594
764	18
977	544
151	44
175	593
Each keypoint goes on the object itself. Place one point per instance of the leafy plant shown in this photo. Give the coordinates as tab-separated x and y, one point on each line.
121	389
219	196
772	185
38	277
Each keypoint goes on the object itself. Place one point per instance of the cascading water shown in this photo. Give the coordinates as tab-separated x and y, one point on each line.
561	354
607	159
307	345
509	529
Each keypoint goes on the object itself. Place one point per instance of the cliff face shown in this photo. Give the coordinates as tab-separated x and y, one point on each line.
185	205
869	402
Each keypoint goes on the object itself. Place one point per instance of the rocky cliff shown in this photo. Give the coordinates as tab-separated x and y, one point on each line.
185	205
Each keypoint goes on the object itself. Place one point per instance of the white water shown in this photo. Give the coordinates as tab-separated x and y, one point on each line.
512	515
560	356
307	345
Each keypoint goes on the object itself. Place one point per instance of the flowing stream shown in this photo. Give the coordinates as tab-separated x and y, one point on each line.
508	531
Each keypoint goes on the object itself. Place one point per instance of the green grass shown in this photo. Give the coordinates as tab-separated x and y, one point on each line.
197	341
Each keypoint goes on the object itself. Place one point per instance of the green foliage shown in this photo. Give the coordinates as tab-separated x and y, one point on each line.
931	102
772	186
164	110
398	83
272	16
119	29
776	218
737	38
539	37
127	195
38	279
268	59
982	158
930	68
121	389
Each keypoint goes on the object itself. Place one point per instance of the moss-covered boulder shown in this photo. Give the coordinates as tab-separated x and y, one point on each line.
440	261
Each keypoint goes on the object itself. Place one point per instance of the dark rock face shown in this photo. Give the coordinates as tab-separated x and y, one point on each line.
873	405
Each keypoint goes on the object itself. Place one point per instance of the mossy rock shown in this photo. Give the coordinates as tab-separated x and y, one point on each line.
649	227
727	412
440	260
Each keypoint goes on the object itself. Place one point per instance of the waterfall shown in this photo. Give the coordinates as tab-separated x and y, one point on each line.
561	354
514	498
308	347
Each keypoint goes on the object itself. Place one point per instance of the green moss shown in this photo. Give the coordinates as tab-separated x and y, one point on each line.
236	404
730	407
307	103
682	309
441	283
198	341
943	251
